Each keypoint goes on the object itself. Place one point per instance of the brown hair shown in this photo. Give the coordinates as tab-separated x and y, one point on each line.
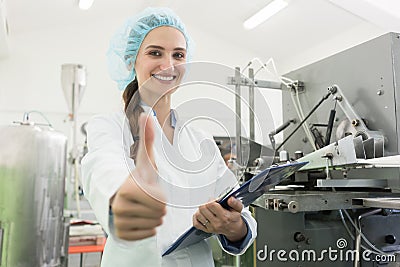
133	109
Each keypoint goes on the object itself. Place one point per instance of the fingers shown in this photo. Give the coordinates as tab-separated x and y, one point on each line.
213	218
136	223
139	204
145	163
143	209
137	212
207	220
205	213
201	223
235	204
133	198
213	207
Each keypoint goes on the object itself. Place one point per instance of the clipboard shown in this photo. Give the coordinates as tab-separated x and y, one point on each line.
247	193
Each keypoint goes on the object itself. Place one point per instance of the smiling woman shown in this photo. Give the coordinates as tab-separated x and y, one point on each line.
145	187
159	64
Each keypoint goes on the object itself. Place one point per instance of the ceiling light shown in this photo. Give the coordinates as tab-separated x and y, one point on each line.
85	4
264	14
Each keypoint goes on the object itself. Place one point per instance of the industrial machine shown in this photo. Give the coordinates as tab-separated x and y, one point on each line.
342	116
33	231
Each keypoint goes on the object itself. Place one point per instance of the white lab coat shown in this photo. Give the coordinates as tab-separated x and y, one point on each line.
188	180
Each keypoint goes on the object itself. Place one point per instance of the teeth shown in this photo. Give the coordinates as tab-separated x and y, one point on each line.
163	78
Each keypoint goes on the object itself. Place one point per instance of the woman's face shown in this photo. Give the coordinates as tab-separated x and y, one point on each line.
159	63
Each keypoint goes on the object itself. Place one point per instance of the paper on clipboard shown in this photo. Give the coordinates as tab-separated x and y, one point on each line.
270	177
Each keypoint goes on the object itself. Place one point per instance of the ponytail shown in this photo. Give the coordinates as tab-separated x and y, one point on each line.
133	109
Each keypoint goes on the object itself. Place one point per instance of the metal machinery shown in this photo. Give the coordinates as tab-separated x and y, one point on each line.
73	82
32	176
343	208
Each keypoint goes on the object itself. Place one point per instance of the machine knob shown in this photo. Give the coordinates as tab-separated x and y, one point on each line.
299	237
298	154
293	206
258	162
390	239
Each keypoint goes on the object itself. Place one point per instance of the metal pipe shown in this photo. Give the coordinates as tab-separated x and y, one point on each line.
251	103
305	119
75	161
73	81
238	117
282	127
358	236
258	83
330	127
278	130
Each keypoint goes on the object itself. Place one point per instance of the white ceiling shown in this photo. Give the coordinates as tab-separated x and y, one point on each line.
303	29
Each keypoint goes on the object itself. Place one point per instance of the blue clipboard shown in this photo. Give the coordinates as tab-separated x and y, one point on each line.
248	192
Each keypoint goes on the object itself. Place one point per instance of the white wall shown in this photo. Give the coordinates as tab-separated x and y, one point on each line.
352	36
30	76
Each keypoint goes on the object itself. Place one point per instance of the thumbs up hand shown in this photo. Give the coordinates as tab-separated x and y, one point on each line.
139	204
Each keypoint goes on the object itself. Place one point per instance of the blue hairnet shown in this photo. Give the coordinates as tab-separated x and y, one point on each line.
125	43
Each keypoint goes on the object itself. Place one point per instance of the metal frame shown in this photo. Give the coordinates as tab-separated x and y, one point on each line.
238	80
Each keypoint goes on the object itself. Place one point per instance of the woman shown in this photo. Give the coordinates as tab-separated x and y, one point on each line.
157	173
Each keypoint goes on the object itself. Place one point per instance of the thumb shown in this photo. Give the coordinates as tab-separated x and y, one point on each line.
145	163
235	204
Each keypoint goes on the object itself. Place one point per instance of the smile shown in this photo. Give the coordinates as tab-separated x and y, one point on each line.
163	77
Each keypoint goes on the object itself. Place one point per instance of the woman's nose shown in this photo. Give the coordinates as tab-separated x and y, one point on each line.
167	63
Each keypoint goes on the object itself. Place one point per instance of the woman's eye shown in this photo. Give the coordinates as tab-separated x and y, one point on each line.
179	55
155	53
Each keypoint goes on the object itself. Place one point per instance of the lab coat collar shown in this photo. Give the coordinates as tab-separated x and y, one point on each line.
173	113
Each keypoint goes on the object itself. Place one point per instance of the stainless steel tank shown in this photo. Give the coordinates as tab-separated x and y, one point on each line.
32	174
